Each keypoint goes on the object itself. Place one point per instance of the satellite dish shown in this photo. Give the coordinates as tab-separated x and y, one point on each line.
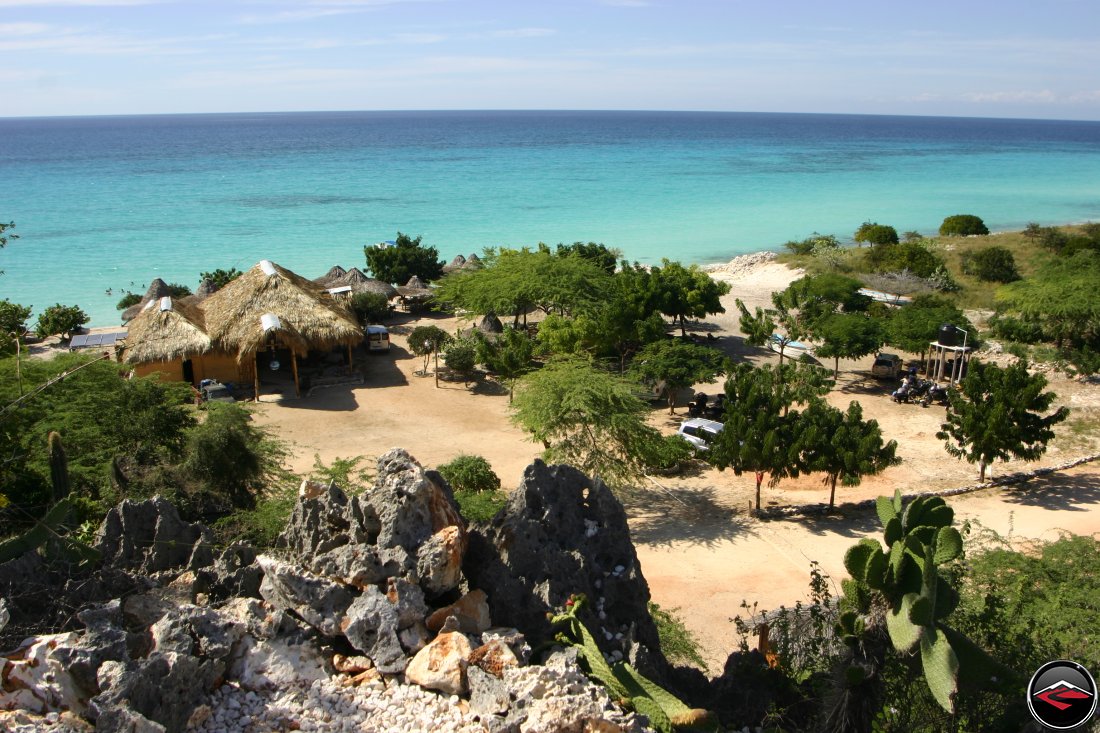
274	365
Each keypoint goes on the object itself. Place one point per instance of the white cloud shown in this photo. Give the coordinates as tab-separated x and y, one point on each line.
524	33
22	29
72	3
294	16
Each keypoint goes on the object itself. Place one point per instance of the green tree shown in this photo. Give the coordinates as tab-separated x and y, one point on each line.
461	357
399	263
757	436
760	328
814	298
370	307
428	341
843	445
991	264
813	243
687	292
998	413
13	318
130	299
508	355
962	225
224	453
60	319
176	290
589	418
604	257
916	257
847	335
914	326
874	233
678	365
470	473
220	277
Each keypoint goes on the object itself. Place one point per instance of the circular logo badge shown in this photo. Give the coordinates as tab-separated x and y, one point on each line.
1062	695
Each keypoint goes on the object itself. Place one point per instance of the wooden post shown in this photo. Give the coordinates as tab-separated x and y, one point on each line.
256	375
350	364
294	369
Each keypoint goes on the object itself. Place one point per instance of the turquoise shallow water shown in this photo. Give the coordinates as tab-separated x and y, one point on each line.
113	202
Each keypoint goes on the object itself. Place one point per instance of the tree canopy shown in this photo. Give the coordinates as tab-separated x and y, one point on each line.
428	341
962	225
843	445
912	327
13	318
874	233
999	414
678	365
220	277
60	319
687	292
849	336
991	264
401	262
588	417
1060	297
507	355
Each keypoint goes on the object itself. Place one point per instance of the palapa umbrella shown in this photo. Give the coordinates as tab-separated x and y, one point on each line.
456	264
328	279
360	283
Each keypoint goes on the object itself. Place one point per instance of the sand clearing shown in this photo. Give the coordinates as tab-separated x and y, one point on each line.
700	549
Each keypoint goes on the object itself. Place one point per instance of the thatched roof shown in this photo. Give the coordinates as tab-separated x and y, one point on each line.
490	324
303	317
416	282
472	261
165	330
335	273
360	283
206	289
456	264
157	289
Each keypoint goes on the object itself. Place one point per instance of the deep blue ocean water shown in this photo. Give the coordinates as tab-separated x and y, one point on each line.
113	202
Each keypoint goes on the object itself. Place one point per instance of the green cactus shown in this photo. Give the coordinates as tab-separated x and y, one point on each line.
919	539
665	711
45	531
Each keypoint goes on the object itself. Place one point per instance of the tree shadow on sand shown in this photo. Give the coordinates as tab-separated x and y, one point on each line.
1056	491
662	516
854	523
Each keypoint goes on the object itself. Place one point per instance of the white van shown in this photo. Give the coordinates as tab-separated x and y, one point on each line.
378	338
700	432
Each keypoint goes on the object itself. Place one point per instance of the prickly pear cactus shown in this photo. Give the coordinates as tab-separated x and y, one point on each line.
919	539
665	711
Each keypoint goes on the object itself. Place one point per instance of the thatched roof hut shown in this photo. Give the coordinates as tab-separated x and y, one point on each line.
270	300
456	264
157	289
472	262
360	283
328	279
164	331
206	289
490	324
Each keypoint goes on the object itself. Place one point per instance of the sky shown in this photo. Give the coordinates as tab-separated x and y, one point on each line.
1010	58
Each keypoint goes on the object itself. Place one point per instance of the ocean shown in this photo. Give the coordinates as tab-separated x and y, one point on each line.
103	205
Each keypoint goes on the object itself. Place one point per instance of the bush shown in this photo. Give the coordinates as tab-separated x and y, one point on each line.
1084	360
461	357
128	300
677	643
13	317
1011	328
370	307
916	257
480	506
962	225
470	473
992	264
671	453
225	454
60	319
875	233
813	244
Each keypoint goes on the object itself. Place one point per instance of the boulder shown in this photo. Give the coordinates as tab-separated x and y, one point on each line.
494	657
560	534
441	665
318	601
32	678
406	526
372	625
471	610
149	536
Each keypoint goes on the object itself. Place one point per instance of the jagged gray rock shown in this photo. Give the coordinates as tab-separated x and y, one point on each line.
234	574
374	621
318	601
406	526
563	533
149	537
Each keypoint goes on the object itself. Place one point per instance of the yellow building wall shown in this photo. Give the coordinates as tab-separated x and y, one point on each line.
218	365
168	371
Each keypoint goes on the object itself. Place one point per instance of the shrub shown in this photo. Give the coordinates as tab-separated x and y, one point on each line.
677	643
915	257
962	225
128	300
60	319
813	244
470	473
992	264
671	452
875	233
461	357
480	506
370	307
1012	328
13	317
224	454
1084	360
344	472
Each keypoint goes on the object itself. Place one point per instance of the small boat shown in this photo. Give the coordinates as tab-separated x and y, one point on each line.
791	348
889	298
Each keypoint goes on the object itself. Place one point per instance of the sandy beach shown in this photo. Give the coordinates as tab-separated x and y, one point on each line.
701	550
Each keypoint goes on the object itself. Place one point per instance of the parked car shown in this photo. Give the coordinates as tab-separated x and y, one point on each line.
886	366
700	432
378	338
